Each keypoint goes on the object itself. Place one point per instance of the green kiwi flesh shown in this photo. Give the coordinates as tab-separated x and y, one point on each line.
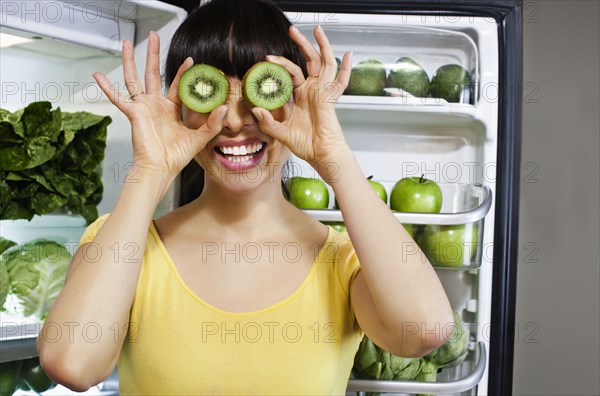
267	85
202	88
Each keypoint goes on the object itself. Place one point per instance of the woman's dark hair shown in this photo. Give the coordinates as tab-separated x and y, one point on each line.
231	35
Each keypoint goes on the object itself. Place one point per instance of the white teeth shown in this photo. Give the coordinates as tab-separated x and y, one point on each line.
241	150
239	159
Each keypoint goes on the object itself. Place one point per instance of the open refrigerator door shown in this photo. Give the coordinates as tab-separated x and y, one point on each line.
466	142
49	52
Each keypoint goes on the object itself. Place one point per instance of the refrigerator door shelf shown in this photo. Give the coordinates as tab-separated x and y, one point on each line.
470	204
465	383
375	105
64	228
431	48
451	240
97	28
17	338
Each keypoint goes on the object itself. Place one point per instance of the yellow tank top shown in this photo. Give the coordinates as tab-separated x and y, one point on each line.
178	344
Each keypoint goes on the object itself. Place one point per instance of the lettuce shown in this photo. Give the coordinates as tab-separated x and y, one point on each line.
50	160
4	287
36	272
5	244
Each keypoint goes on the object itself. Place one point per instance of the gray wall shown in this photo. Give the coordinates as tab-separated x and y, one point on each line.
557	345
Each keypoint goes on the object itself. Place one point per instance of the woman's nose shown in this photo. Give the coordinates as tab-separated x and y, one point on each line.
239	114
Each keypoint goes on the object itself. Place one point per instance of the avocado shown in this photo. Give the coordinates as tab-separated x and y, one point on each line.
449	82
367	78
409	76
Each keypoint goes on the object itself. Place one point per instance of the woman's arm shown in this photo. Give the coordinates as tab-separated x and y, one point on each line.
397	297
83	334
395	291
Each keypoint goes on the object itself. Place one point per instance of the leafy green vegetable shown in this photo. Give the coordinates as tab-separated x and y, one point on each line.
451	354
372	362
50	160
454	351
5	244
37	272
4	286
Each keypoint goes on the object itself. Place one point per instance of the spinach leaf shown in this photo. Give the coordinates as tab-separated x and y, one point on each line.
50	160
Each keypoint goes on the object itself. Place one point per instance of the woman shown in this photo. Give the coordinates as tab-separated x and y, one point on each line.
238	292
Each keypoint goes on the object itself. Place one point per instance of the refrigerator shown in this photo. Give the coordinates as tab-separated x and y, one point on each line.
469	145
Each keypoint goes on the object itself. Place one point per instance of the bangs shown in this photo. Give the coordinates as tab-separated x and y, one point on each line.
232	35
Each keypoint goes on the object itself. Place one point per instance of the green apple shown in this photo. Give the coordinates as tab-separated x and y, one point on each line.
378	187
9	376
416	194
409	228
449	245
308	193
33	377
336	225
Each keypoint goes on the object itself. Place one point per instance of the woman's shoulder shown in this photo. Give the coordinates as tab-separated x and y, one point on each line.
92	229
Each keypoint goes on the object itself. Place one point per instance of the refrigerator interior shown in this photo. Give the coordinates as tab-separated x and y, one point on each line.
61	44
392	137
454	144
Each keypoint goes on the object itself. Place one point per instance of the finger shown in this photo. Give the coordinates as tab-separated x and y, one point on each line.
115	97
329	65
294	70
212	128
132	81
152	73
313	59
344	75
268	125
214	124
173	94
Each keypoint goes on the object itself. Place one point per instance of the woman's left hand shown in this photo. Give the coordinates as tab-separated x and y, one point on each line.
312	132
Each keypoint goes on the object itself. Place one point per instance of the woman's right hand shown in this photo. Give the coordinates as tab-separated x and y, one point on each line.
162	144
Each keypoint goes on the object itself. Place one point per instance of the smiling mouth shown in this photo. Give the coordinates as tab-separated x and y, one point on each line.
242	156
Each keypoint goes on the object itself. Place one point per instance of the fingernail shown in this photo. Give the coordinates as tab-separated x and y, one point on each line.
223	113
294	28
258	115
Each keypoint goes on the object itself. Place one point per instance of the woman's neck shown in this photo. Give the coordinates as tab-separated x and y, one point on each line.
243	212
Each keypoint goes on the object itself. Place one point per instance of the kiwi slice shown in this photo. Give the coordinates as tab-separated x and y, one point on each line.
203	88
267	85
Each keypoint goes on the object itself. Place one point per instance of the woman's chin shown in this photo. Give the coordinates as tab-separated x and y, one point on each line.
245	180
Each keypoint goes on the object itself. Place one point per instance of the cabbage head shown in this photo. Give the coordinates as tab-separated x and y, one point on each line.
4	287
5	244
36	272
372	362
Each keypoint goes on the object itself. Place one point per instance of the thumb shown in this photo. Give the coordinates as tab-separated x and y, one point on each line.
269	125
212	128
